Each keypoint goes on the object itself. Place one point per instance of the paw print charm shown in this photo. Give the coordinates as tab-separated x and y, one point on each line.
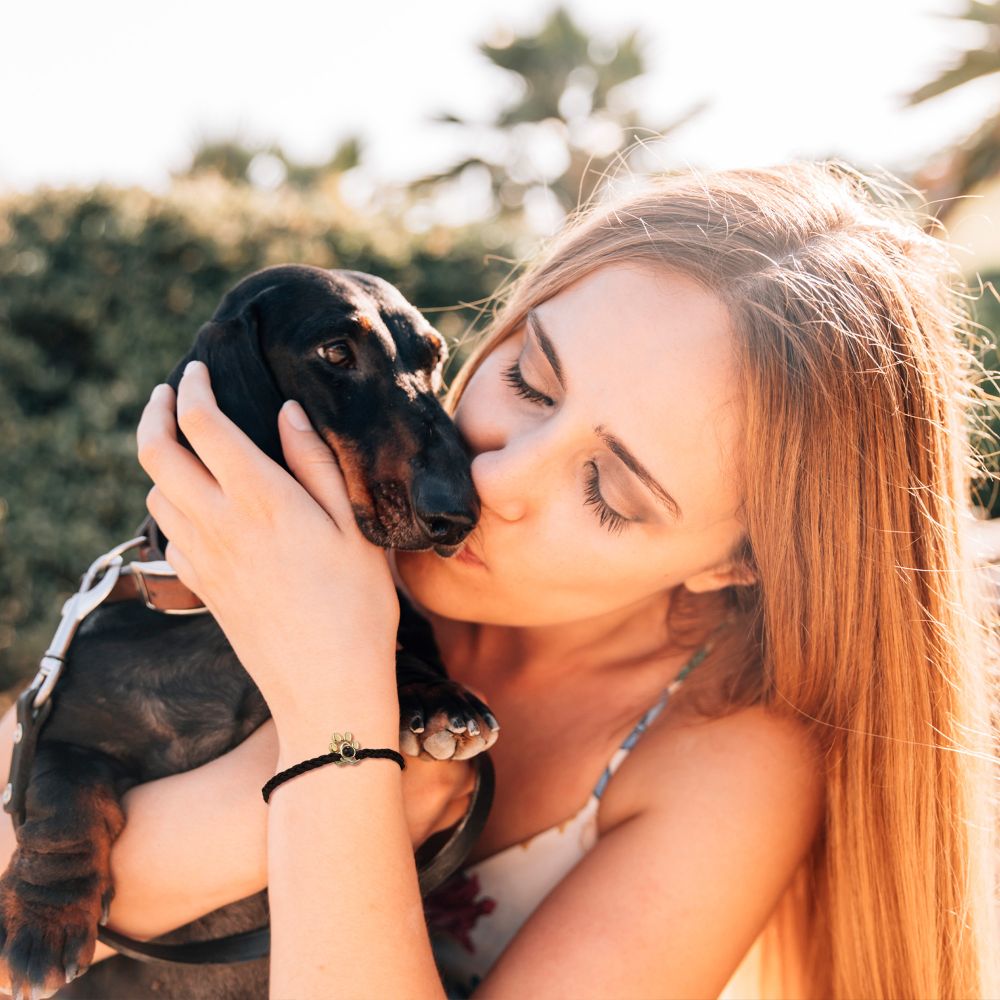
346	747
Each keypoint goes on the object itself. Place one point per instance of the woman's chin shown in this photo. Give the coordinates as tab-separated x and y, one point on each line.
409	561
425	576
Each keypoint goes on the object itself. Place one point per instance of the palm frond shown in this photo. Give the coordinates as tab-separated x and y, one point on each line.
973	64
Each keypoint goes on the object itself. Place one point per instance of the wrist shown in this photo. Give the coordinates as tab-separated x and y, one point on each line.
344	752
372	726
310	703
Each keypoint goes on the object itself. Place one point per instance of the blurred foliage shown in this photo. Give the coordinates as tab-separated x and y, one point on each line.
986	310
573	117
269	166
960	168
101	293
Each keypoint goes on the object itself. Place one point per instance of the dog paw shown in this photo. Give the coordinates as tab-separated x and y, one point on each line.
46	939
441	720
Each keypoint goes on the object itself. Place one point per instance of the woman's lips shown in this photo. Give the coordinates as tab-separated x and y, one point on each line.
466	555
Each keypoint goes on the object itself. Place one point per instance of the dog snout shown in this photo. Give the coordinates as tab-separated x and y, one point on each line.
446	510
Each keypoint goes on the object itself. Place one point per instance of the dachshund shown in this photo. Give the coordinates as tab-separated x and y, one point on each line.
146	694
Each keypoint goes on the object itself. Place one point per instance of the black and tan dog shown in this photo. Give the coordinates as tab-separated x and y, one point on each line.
146	694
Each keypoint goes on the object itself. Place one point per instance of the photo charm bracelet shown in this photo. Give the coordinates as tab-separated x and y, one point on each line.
344	750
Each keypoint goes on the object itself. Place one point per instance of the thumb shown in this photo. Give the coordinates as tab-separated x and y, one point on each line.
312	462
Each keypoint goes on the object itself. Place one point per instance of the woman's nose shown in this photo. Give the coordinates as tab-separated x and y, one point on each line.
498	486
511	477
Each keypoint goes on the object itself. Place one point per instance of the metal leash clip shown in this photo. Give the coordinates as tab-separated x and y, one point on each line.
34	704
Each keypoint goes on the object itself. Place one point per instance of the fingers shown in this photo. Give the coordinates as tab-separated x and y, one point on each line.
177	528
159	451
313	464
173	523
225	451
183	568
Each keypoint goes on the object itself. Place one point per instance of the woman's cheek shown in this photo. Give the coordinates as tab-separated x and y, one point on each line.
480	417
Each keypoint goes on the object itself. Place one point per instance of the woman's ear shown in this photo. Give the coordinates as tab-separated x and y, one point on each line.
726	575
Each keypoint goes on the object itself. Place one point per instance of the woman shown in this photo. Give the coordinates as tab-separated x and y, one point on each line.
719	430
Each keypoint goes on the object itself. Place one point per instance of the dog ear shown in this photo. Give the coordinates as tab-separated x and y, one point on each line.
242	382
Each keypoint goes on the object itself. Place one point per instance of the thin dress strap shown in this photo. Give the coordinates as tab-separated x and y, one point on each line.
643	724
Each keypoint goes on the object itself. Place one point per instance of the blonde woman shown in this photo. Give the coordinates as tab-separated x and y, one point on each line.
718	600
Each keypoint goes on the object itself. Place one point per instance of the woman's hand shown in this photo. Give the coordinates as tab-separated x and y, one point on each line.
436	795
280	562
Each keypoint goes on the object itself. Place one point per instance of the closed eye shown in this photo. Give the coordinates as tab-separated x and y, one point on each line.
512	374
608	517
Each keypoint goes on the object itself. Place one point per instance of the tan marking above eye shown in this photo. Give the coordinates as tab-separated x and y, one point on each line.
438	344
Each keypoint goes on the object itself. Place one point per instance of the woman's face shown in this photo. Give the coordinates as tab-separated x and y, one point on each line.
626	367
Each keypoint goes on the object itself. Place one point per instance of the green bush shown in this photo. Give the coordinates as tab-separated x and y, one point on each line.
986	436
101	293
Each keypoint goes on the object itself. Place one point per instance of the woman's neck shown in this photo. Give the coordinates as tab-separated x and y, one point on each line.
526	655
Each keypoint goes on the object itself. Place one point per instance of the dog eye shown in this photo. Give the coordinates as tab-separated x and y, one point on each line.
337	352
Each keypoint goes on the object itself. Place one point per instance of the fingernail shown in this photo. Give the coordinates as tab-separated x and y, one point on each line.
297	416
192	366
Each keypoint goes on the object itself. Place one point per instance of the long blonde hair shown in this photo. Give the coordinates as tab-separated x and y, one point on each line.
867	621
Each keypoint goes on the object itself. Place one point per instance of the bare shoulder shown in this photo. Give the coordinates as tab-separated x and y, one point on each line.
770	763
673	895
761	764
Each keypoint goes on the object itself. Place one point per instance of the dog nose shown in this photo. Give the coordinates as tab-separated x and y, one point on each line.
445	527
446	511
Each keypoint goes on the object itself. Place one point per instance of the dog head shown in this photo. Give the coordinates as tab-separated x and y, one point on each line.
366	367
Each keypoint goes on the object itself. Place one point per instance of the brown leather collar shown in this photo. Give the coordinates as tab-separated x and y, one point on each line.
152	580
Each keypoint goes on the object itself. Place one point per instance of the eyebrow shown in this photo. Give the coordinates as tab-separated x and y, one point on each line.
615	445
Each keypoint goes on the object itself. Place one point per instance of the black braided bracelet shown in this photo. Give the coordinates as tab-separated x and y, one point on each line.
346	752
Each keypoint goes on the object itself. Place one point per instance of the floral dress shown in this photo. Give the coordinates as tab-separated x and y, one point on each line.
475	914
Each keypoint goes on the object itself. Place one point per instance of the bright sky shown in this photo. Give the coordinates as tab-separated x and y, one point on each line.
120	90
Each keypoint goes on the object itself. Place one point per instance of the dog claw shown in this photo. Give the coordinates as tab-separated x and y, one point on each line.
492	722
72	971
456	724
473	727
417	724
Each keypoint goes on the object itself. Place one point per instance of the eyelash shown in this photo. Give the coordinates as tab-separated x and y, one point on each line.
611	518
